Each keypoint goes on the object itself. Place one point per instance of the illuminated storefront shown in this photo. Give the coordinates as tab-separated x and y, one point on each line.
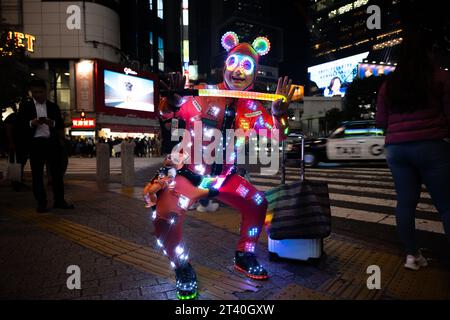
84	127
56	41
116	101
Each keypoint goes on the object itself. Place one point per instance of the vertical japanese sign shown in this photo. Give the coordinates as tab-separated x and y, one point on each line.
85	85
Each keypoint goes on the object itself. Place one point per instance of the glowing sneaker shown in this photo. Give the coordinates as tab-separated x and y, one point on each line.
415	262
186	282
246	263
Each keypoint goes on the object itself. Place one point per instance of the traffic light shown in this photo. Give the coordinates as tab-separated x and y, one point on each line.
83	115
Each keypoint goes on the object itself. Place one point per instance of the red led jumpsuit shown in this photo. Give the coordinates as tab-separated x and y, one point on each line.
235	191
175	196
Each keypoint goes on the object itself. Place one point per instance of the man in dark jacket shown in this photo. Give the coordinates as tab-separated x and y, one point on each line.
43	129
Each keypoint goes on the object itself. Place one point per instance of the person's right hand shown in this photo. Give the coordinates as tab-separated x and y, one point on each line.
176	82
35	122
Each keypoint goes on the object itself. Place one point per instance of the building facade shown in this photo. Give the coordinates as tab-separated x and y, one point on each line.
151	34
72	41
340	29
346	29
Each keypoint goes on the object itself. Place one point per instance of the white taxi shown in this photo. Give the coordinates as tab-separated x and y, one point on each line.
352	141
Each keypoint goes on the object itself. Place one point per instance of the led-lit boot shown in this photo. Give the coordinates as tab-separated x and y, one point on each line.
246	263
186	282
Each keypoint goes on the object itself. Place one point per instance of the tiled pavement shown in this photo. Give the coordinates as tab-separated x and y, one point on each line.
35	251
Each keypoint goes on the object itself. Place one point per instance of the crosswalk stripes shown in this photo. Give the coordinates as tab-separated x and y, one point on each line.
84	166
361	194
88	166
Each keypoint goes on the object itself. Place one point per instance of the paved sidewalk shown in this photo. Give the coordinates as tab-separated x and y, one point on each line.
110	237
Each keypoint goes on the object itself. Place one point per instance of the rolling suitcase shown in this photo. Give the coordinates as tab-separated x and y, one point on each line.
301	216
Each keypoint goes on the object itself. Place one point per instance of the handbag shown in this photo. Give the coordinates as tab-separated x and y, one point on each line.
301	210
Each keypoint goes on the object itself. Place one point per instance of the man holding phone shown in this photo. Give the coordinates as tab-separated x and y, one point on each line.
43	125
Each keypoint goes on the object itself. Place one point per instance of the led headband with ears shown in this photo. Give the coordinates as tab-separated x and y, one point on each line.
230	41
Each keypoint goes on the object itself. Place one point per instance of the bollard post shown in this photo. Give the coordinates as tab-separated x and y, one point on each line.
102	158
127	161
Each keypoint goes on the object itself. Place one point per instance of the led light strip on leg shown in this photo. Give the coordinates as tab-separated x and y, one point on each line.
240	94
189	297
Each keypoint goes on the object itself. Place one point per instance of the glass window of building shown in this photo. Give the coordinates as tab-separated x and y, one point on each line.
150	40
63	90
160	54
186	51
60	87
160	9
185	7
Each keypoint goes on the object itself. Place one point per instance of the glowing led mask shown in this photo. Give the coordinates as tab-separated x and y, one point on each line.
244	63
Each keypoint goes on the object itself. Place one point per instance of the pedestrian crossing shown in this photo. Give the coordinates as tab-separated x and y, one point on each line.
88	166
360	194
356	193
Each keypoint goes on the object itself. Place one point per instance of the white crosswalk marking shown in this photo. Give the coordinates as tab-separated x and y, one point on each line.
361	194
88	166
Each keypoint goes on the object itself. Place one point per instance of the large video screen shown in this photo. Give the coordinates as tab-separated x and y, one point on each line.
334	77
128	92
366	70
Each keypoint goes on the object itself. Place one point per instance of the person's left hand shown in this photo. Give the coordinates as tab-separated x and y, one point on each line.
284	87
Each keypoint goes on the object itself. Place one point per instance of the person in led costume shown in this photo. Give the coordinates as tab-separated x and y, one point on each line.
179	184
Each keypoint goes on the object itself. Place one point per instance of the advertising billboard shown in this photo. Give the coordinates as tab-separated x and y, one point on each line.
366	70
334	77
125	91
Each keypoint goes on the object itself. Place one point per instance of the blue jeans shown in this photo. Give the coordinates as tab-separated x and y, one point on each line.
414	163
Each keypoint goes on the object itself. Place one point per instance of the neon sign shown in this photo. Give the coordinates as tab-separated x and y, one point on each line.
129	71
22	40
78	123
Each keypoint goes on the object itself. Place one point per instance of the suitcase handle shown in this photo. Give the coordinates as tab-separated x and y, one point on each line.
302	159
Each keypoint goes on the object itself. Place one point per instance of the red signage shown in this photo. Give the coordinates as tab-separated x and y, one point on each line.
78	123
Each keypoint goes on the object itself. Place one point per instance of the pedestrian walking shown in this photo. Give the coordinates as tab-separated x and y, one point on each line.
414	107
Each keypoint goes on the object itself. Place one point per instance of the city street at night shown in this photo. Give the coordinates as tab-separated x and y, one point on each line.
225	158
